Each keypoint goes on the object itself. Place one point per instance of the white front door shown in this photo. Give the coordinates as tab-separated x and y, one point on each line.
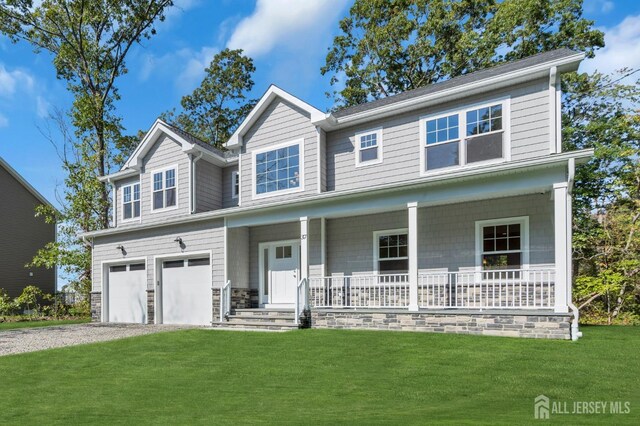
282	273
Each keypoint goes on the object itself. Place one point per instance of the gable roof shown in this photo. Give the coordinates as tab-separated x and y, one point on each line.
190	144
272	93
24	182
545	58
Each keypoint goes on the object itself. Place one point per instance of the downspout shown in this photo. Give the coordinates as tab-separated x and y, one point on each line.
192	172
553	142
575	332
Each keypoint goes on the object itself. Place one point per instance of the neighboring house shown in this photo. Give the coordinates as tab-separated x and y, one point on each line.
445	208
22	234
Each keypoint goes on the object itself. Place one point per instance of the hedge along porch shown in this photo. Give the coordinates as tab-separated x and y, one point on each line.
495	259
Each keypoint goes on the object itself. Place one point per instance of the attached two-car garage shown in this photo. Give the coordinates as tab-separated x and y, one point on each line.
183	293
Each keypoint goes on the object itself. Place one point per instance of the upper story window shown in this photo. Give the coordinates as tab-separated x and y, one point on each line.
278	170
235	184
369	147
131	201
482	138
392	251
164	188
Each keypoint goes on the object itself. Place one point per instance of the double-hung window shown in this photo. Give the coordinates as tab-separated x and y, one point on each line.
131	201
503	245
463	137
278	169
369	147
164	189
392	252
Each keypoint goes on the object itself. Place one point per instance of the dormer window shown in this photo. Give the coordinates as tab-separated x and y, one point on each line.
131	201
278	170
164	188
458	138
369	147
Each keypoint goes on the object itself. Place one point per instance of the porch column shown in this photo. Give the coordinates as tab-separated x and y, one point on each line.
562	233
304	248
413	255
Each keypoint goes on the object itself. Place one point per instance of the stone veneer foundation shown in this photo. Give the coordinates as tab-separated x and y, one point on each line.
96	306
546	325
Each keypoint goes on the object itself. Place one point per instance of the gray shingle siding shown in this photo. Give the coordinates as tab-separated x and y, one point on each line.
22	236
446	234
163	154
159	242
280	123
402	144
208	186
227	198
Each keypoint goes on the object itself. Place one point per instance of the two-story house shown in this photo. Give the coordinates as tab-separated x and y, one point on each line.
445	208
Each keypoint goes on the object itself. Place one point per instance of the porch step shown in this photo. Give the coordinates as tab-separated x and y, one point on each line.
264	313
252	325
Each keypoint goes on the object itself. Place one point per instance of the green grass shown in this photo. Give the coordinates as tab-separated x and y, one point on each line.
48	323
320	377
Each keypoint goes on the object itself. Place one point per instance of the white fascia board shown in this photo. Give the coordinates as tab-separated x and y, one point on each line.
569	63
483	171
272	93
122	174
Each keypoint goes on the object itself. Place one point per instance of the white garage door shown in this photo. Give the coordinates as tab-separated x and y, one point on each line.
127	293
186	291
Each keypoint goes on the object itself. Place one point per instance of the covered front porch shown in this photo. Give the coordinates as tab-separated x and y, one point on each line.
495	255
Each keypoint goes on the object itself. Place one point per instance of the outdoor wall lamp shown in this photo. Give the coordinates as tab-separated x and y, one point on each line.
178	240
122	250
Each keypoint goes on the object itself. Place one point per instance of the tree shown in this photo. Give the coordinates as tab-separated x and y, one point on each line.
215	109
89	42
601	112
387	47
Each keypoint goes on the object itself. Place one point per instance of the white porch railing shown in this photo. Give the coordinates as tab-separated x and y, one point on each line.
302	298
360	291
225	300
500	289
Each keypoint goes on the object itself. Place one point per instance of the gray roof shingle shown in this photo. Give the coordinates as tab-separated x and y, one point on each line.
538	59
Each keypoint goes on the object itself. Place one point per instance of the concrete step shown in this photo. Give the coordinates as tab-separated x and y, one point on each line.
250	325
262	319
262	313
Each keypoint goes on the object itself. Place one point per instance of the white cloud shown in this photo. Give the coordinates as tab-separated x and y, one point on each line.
179	7
292	23
187	64
601	6
4	121
10	81
622	48
42	107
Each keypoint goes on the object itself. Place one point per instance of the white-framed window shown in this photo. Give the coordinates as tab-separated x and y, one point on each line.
391	251
502	244
368	147
235	184
278	169
131	201
473	135
164	183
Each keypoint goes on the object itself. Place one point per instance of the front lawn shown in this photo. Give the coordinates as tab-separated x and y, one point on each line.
321	376
47	323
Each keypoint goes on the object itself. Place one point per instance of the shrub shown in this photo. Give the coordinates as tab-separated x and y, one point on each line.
7	304
31	299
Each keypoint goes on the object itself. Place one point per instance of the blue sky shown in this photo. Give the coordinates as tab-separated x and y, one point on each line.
288	40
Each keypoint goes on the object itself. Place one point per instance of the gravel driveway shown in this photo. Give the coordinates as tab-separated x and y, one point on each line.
39	338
